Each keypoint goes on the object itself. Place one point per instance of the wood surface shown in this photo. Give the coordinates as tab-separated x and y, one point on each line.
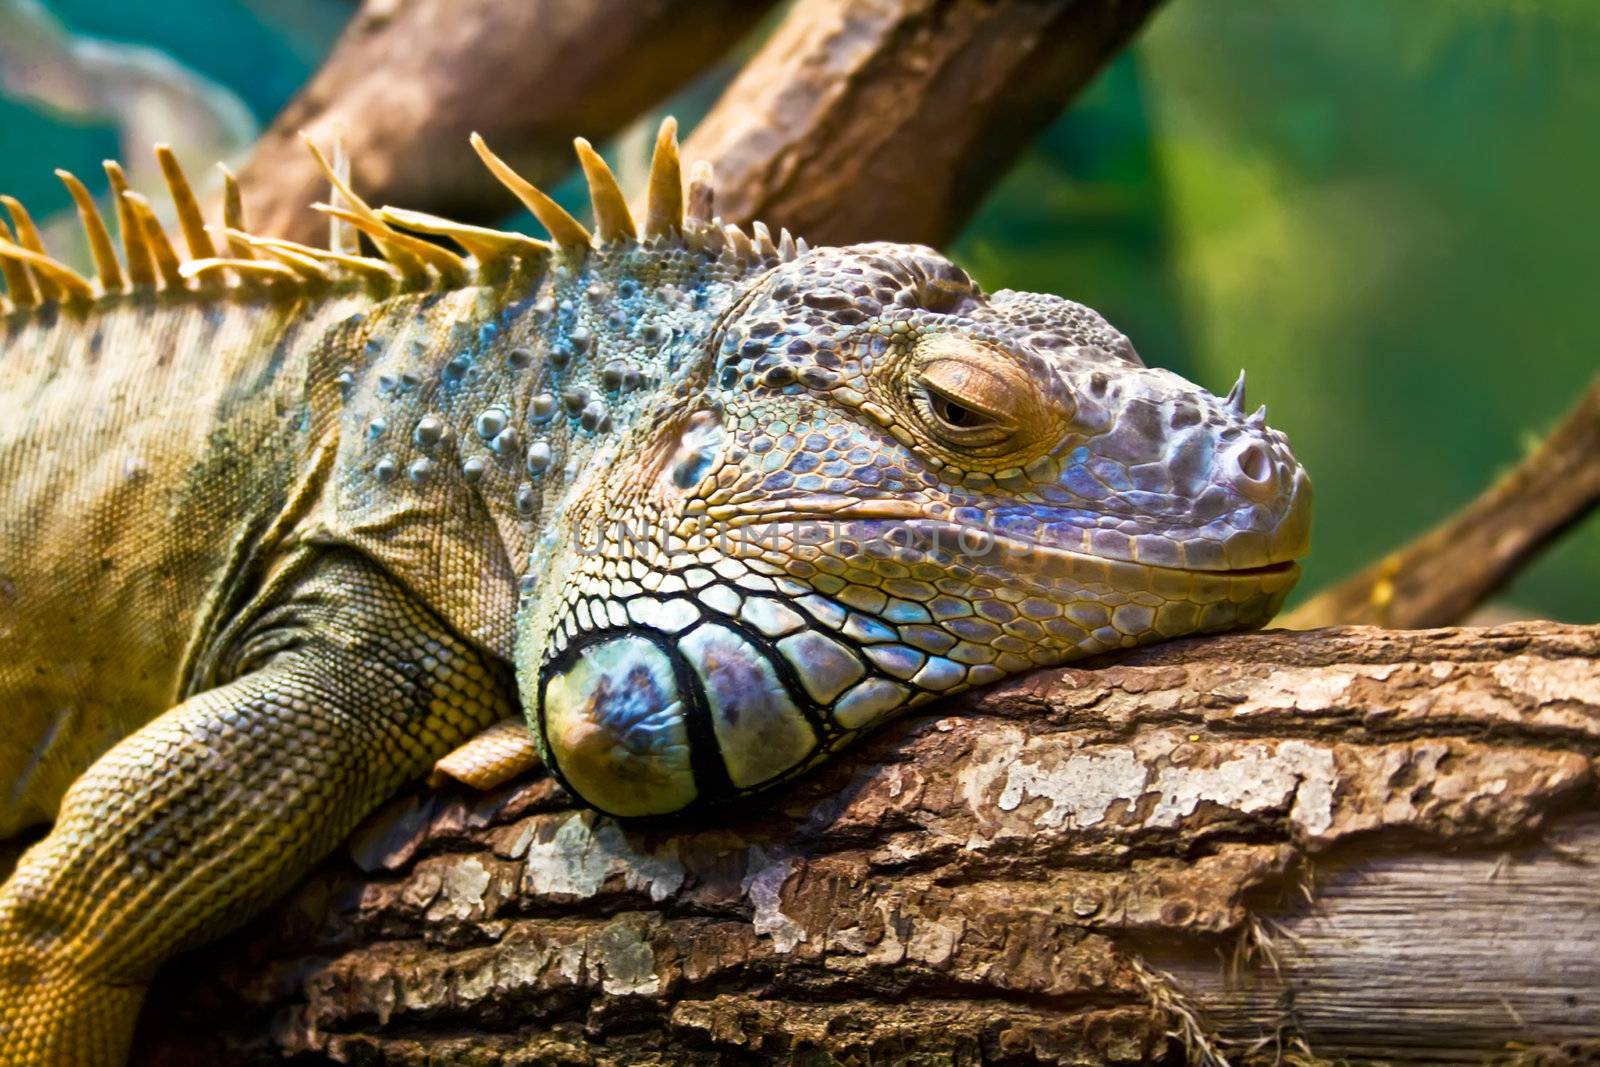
889	120
1357	841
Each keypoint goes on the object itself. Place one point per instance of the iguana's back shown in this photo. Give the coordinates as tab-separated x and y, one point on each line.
150	443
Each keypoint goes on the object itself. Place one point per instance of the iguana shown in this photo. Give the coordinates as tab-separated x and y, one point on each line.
282	526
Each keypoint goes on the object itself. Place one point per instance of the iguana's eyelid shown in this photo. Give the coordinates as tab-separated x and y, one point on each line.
989	432
929	378
976	407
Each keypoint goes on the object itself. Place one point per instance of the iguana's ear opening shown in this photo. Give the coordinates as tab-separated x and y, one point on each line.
682	452
698	452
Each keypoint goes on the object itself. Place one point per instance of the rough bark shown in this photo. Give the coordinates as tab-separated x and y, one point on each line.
890	119
1386	838
1443	575
410	79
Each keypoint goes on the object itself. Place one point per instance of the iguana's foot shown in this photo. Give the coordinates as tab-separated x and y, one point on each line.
504	751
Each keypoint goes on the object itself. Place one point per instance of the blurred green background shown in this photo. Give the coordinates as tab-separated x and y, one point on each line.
1388	213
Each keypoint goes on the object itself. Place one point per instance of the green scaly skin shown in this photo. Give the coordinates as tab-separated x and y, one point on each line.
703	508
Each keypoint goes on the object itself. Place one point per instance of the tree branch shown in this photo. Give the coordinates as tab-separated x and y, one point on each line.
890	120
410	79
886	120
1056	869
1440	577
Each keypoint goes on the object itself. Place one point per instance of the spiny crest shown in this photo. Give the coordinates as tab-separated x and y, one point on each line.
217	259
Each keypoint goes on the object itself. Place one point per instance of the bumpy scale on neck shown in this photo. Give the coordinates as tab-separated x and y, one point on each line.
518	414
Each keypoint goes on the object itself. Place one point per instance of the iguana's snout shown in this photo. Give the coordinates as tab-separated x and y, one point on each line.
1157	473
891	487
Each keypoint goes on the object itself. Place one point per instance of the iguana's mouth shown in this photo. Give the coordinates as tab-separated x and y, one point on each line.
980	541
1239	572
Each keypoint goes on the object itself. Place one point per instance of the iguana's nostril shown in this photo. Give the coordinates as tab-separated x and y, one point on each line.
1253	464
1249	466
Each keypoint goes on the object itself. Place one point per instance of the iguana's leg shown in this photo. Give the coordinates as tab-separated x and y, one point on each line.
212	810
499	754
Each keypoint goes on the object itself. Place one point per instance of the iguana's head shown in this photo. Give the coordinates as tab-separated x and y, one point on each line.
893	487
847	483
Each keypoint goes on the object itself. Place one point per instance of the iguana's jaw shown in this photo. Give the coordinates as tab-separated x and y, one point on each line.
735	673
1167	580
895	521
1060	602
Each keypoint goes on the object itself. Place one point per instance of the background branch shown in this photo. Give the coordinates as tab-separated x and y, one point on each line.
1440	577
1063	868
857	120
410	79
890	119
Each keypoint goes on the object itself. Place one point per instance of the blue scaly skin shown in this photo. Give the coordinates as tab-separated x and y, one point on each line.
282	526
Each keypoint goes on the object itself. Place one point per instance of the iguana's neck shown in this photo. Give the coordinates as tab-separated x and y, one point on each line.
532	388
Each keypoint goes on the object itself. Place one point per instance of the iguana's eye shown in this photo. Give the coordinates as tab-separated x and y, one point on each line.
962	405
953	413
